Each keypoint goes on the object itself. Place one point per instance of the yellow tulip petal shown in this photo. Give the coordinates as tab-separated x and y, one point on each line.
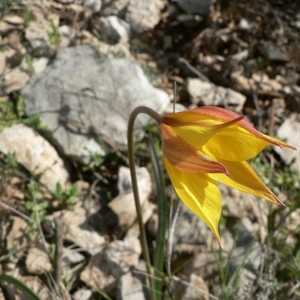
223	132
196	132
243	177
237	144
185	157
200	194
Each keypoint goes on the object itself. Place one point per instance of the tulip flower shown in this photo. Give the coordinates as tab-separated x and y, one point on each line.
207	145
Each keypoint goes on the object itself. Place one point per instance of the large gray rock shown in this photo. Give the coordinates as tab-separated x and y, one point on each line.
81	98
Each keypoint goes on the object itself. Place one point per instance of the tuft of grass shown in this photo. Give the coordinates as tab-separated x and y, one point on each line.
8	114
284	271
27	15
53	34
66	198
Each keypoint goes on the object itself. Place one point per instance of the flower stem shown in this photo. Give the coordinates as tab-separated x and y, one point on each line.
148	111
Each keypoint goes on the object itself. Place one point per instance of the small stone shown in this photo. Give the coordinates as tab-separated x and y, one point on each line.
273	52
287	132
70	257
14	19
37	261
130	287
67	35
35	153
196	289
15	80
143	15
40	64
206	93
114	8
80	232
187	240
39	30
82	294
94	5
123	205
202	264
106	267
16	239
2	63
114	30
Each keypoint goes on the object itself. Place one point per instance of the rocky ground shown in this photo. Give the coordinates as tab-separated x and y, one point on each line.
71	72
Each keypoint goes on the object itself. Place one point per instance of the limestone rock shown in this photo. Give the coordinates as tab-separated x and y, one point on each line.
207	93
239	205
40	64
78	230
94	5
143	15
2	63
114	30
67	35
82	294
114	8
119	50
38	31
37	261
187	240
35	154
123	205
195	288
15	80
130	287
15	238
81	98
289	131
106	267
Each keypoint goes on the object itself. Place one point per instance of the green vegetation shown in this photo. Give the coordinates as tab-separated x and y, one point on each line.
8	114
53	34
6	5
27	15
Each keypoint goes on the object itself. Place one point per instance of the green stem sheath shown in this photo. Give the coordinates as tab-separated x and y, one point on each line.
148	111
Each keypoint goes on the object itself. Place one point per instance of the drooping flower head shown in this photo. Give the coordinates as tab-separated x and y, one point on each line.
207	145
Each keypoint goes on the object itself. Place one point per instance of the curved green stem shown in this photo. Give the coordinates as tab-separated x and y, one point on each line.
19	284
148	111
159	254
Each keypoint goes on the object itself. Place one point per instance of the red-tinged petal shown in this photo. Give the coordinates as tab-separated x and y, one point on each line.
185	157
200	194
243	177
223	132
196	133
